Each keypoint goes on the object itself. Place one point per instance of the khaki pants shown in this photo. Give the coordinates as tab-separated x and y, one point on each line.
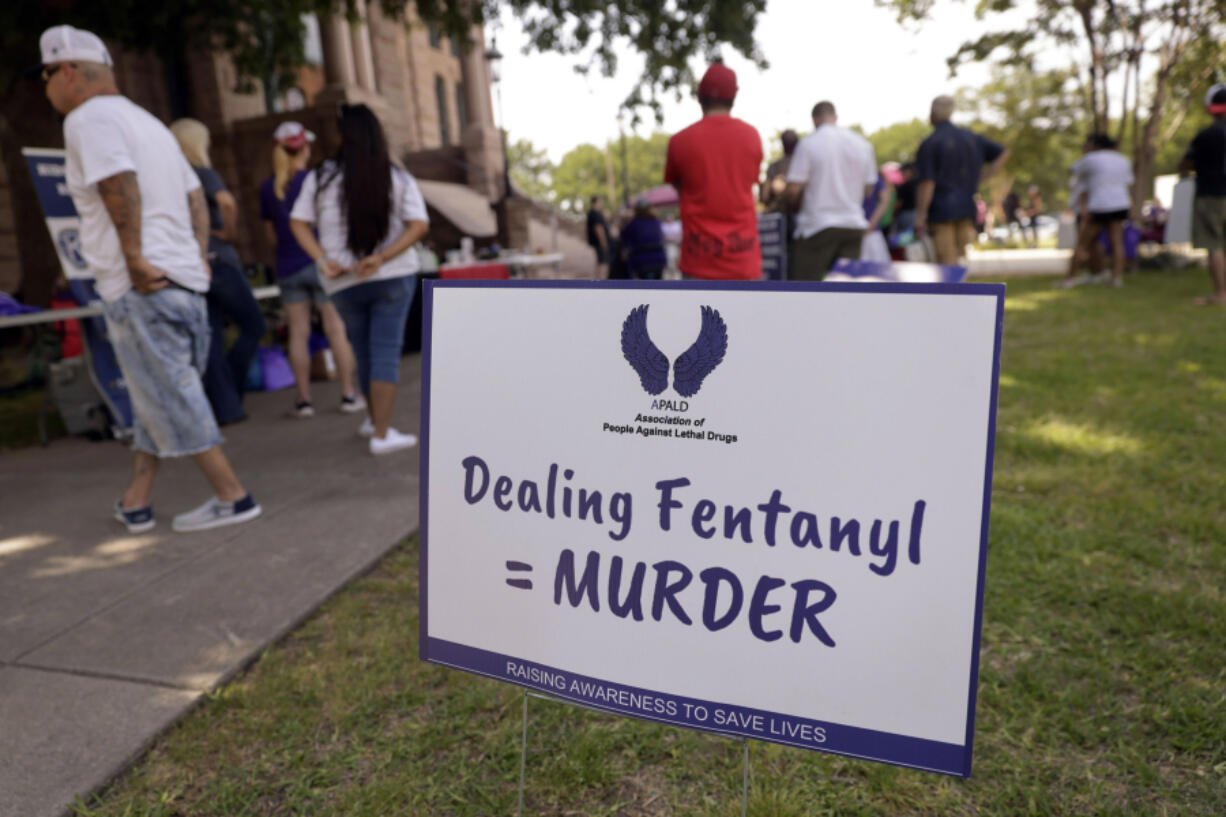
950	239
1209	223
813	257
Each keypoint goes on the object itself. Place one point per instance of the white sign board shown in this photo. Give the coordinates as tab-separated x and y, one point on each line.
753	509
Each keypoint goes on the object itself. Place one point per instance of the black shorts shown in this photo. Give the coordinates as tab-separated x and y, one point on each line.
1107	218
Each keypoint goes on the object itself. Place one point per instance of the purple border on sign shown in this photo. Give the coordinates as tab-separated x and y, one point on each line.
679	710
868	744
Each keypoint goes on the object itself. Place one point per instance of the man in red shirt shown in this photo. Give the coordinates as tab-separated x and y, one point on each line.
714	164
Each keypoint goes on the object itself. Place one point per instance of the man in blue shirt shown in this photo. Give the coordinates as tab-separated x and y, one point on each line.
950	166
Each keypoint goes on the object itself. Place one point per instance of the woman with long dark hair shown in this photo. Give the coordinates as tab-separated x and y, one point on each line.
369	213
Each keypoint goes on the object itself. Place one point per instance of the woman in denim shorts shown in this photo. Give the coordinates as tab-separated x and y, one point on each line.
297	274
368	213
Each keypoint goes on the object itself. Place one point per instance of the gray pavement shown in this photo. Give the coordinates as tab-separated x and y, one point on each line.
1006	263
107	638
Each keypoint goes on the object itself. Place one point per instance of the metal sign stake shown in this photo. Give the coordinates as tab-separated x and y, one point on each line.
745	782
523	756
523	751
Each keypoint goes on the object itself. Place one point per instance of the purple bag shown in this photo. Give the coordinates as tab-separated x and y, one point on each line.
1132	239
11	306
274	369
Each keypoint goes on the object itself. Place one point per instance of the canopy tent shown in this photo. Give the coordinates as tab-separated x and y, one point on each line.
464	207
662	196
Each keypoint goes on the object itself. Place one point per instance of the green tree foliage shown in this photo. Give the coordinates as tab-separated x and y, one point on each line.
581	174
1186	114
898	142
1113	41
265	40
266	36
1038	118
584	171
531	170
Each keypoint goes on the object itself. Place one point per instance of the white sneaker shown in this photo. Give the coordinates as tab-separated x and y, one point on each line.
1100	277
394	441
215	514
354	404
137	520
366	429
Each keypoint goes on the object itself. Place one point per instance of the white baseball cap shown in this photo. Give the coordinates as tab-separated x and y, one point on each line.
68	44
292	135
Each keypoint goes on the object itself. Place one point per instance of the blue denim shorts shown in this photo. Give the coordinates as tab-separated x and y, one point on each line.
303	285
162	344
375	313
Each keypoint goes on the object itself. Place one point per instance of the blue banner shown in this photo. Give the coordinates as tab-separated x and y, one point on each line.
47	170
904	272
773	238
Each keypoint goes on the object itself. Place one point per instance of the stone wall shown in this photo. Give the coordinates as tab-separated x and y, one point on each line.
440	164
251	139
406	67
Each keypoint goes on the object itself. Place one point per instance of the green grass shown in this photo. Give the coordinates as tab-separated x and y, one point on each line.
1103	677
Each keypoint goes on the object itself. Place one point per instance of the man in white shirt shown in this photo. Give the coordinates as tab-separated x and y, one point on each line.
832	170
144	232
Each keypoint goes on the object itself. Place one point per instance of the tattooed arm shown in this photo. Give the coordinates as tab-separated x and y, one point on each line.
121	197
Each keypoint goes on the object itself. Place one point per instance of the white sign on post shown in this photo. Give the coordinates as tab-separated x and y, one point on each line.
759	510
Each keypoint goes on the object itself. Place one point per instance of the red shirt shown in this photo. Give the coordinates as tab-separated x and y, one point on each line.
714	163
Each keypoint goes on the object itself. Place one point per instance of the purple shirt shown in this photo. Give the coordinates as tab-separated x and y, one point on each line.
644	241
290	257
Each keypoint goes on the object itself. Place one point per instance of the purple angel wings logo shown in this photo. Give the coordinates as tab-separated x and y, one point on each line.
691	367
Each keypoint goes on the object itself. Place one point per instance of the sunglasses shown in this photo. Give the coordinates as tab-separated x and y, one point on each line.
50	70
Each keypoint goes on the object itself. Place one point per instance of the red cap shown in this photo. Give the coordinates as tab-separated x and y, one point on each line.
718	83
292	136
1215	100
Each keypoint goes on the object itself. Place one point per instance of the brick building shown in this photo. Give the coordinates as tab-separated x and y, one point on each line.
432	94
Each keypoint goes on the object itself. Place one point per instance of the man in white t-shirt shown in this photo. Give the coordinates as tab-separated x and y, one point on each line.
831	172
144	233
1103	181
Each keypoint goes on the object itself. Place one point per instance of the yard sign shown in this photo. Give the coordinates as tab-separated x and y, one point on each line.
759	510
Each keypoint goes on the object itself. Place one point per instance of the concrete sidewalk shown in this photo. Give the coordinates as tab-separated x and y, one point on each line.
107	638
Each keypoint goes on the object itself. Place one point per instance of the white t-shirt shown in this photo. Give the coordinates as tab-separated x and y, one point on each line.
1106	175
110	134
328	215
835	165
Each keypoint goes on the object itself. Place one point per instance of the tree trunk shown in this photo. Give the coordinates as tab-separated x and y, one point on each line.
1146	148
1122	128
1085	9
